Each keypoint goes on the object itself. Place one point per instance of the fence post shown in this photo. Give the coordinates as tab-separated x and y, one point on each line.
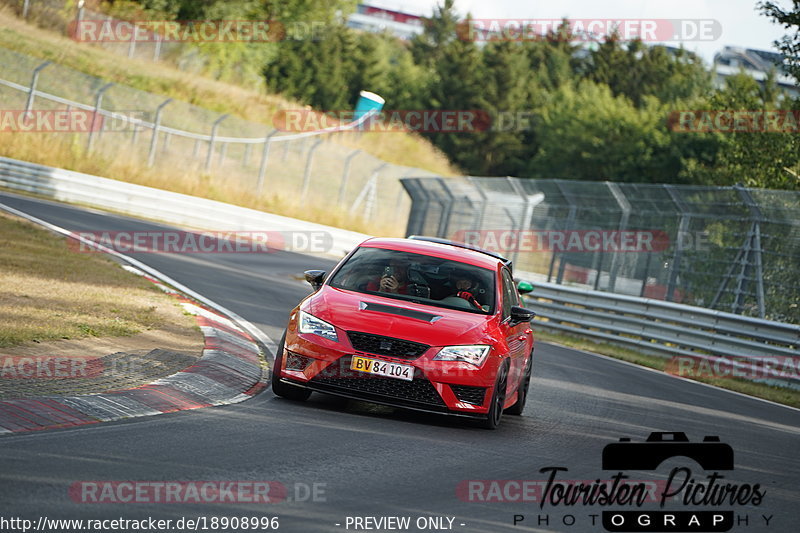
132	45
98	100
246	155
346	175
222	151
151	156
307	173
157	50
211	140
262	168
34	81
573	211
625	207
683	229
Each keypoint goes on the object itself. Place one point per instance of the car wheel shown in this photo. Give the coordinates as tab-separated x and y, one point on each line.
495	413
285	390
522	396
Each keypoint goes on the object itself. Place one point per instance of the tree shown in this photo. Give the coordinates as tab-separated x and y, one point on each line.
587	133
765	159
789	45
635	70
502	151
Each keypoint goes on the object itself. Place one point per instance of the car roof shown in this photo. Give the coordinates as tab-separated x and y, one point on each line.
442	251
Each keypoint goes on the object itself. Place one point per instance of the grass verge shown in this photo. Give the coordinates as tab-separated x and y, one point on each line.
50	292
759	390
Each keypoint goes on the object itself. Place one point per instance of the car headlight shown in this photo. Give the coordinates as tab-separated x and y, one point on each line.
473	354
312	324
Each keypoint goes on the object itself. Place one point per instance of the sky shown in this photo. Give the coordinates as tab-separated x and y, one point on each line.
741	25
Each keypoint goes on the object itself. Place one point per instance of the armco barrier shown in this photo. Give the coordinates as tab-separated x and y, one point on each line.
652	326
170	207
757	349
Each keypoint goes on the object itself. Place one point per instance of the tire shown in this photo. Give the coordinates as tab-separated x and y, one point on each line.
522	396
495	413
285	390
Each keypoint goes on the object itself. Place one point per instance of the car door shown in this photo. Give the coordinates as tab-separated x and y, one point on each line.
516	335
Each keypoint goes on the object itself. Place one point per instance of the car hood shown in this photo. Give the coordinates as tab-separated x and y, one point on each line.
436	326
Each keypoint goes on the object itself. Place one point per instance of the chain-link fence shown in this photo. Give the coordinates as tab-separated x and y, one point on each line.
64	16
313	169
729	248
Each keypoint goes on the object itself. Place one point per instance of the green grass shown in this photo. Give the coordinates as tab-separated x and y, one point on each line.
49	291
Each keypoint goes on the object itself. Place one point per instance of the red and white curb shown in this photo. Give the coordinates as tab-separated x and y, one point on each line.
229	370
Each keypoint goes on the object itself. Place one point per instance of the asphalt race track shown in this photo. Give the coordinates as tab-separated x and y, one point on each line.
368	461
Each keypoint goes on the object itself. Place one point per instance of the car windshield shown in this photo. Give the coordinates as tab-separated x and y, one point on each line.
419	278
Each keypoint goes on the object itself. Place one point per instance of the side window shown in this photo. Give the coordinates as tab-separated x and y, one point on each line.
510	295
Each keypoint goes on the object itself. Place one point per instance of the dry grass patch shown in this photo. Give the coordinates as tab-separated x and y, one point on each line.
49	291
162	78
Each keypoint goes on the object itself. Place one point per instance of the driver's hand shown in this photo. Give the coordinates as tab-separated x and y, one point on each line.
389	284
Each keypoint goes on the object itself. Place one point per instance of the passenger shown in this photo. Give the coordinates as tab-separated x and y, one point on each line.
394	279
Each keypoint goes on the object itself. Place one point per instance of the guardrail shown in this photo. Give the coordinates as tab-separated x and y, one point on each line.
170	207
705	340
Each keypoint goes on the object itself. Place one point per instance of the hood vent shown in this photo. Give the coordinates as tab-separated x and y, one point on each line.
399	311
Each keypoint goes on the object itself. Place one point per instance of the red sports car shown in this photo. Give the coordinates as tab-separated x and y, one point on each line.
418	323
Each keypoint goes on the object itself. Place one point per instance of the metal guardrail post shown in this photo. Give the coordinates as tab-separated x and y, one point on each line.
151	156
755	248
214	128
34	82
346	175
447	210
98	100
484	201
625	207
683	230
307	172
420	201
568	226
262	168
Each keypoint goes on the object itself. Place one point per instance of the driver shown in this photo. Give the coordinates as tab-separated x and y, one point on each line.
465	286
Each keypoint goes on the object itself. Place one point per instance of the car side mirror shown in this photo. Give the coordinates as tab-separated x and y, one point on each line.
520	315
524	287
315	277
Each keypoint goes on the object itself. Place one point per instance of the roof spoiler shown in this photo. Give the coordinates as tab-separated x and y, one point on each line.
464	245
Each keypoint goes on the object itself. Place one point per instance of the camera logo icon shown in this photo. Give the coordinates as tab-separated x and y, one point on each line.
710	454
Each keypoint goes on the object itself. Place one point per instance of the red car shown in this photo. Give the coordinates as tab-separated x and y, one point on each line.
418	323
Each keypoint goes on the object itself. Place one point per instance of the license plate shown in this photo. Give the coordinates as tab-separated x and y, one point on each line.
382	368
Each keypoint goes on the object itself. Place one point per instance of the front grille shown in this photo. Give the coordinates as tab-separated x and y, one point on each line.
339	378
378	344
467	394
